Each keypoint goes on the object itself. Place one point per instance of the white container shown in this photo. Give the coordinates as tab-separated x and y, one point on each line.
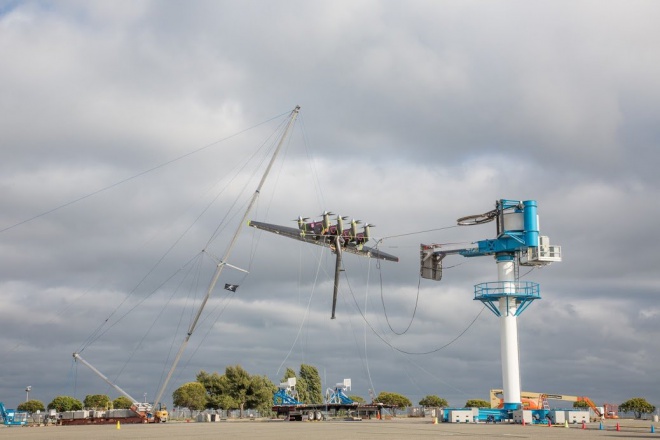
577	416
522	414
203	417
557	417
460	416
84	414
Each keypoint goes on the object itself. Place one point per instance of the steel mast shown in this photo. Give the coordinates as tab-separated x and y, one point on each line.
223	262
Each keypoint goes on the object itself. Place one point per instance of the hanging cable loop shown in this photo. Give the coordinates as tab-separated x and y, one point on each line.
477	219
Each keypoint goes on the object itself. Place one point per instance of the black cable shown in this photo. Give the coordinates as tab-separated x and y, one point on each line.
382	300
396	348
418	232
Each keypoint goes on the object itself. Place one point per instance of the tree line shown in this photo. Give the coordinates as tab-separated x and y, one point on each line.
68	403
236	389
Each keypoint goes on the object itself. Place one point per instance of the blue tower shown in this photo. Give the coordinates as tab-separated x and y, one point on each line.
517	243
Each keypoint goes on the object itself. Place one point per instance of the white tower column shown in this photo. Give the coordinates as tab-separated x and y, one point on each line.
509	333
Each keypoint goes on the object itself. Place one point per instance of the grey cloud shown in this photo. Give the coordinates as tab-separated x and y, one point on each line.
412	117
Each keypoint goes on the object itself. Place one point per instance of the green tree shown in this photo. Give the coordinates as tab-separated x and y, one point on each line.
191	395
261	395
433	401
96	401
237	389
214	384
65	403
638	406
477	403
357	399
238	385
122	402
394	399
309	384
580	404
31	406
248	391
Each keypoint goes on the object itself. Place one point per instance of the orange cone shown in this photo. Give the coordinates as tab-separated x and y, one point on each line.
618	428
584	426
523	423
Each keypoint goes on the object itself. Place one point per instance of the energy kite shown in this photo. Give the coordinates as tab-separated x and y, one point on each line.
334	236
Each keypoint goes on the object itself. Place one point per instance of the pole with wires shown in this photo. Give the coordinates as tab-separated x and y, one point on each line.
223	262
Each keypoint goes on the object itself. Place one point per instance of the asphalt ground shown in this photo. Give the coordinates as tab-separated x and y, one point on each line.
400	428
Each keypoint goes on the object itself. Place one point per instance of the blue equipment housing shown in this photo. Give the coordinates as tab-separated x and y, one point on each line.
498	415
282	397
11	417
517	237
337	395
512	234
517	242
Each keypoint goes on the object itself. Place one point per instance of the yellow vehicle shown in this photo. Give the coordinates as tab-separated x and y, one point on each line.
161	414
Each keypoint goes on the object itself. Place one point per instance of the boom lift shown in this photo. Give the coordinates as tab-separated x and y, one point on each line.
144	410
11	417
532	400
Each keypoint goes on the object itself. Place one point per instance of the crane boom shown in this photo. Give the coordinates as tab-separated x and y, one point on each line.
223	262
138	407
496	401
77	357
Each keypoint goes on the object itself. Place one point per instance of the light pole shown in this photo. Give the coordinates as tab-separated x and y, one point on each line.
27	393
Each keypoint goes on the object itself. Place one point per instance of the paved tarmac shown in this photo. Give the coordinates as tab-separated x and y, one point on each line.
400	428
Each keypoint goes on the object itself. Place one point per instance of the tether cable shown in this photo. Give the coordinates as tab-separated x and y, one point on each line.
135	176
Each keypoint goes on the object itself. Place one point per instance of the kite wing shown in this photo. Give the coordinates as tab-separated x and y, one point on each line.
323	240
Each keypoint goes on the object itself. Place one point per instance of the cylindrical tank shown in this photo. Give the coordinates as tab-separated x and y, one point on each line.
531	223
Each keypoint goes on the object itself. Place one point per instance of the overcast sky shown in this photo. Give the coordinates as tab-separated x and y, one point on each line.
413	114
